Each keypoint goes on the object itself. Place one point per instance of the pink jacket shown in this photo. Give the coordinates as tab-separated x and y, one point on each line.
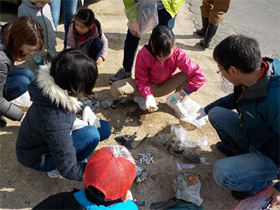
71	42
149	71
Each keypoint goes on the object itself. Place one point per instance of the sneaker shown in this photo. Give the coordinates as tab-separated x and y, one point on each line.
140	101
54	174
222	149
241	195
121	74
3	122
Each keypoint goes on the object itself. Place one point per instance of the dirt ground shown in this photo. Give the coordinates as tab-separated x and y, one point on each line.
23	188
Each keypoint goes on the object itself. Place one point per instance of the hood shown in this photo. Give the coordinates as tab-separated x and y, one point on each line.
29	4
45	91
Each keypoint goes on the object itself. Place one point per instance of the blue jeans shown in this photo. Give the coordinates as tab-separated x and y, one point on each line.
17	81
250	170
85	140
131	42
69	9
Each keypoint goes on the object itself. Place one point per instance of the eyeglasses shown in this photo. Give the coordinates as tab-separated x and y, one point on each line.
220	70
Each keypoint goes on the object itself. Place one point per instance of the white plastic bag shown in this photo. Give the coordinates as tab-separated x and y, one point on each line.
187	111
187	187
23	100
142	17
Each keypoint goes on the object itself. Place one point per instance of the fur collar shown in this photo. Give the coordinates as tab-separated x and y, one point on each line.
57	95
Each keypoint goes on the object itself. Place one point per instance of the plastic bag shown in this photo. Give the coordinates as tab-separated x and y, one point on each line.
187	187
23	100
186	110
142	17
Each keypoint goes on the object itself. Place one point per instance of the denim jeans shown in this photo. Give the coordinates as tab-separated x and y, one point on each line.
250	170
69	9
131	42
17	81
85	140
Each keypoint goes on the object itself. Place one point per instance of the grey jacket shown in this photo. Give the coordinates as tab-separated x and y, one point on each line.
42	16
6	64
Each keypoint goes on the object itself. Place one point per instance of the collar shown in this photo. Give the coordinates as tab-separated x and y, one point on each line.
57	95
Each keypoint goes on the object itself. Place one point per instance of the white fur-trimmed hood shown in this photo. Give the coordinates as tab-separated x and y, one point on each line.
57	95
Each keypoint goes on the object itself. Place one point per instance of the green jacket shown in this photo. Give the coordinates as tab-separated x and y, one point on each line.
171	6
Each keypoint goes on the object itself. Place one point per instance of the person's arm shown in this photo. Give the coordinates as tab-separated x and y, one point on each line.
142	75
7	109
226	102
71	42
274	193
105	46
196	77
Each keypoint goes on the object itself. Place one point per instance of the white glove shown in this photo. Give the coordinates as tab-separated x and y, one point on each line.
151	103
173	99
90	118
78	124
201	113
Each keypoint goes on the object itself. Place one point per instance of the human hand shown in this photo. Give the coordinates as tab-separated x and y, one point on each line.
173	99
151	103
275	195
127	196
90	118
99	60
201	113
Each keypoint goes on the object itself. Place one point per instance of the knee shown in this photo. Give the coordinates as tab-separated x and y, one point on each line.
104	130
116	90
221	173
214	114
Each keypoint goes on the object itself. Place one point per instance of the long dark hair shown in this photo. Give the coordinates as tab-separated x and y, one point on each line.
74	71
23	30
87	17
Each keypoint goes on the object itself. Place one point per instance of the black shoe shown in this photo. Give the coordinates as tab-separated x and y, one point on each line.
202	31
3	122
211	31
240	195
222	149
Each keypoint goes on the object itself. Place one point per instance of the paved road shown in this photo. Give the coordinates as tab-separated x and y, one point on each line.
259	19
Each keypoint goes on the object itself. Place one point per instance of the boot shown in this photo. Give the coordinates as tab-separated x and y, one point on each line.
211	31
202	31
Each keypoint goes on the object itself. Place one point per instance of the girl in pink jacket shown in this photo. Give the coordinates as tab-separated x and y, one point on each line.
155	73
85	33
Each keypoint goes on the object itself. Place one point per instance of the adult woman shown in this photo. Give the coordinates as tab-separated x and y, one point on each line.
19	38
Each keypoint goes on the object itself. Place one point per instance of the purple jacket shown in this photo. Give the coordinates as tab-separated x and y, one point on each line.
150	71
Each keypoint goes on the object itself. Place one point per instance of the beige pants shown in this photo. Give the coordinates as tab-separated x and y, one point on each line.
127	87
214	10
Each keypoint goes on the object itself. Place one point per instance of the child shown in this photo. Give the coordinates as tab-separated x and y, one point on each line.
40	11
85	33
108	176
155	75
18	39
50	137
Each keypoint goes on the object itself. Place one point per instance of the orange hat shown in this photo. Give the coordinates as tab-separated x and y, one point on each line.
111	170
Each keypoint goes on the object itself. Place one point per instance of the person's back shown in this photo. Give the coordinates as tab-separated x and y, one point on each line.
41	12
109	174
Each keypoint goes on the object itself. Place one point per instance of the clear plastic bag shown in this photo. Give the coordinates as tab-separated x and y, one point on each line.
23	100
142	17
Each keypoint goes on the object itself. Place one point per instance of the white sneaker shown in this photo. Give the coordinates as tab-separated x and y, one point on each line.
140	101
54	174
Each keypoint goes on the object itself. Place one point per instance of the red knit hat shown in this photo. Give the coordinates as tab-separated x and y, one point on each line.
111	170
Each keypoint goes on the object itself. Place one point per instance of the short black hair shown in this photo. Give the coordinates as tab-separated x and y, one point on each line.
162	41
74	71
239	51
97	197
